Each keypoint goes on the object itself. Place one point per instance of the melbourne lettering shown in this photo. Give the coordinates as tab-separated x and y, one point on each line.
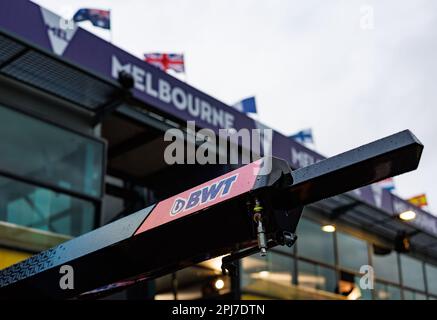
173	95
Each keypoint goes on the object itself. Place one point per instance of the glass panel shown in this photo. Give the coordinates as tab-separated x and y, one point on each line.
352	252
45	152
431	276
412	273
362	294
267	275
44	209
386	266
412	295
313	243
387	292
316	277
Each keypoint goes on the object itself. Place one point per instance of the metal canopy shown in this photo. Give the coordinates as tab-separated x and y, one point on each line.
365	217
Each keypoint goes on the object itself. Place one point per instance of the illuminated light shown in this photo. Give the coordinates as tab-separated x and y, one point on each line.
407	215
219	284
328	228
264	274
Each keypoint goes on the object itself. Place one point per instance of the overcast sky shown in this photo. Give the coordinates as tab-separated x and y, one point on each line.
309	63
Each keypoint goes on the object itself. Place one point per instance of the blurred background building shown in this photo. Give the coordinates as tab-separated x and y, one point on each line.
78	151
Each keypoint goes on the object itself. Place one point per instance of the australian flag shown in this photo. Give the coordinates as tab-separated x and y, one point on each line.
99	18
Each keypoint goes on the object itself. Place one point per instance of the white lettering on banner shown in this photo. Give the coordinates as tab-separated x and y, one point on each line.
138	75
164	91
205	114
302	159
182	100
149	89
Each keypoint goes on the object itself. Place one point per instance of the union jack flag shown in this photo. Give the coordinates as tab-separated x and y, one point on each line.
165	61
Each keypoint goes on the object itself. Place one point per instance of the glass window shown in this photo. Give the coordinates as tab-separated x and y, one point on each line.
412	295
352	252
385	265
267	274
44	209
313	243
316	277
387	292
362	294
431	277
412	273
35	149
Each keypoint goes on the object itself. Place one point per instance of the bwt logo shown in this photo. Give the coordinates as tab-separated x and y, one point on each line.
204	195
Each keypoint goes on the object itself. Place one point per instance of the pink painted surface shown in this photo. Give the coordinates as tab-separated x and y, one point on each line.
245	178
